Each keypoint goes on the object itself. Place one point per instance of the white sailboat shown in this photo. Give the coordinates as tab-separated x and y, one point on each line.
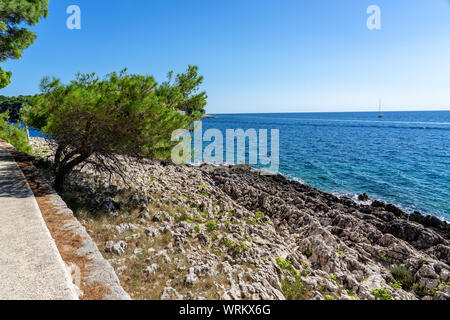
380	115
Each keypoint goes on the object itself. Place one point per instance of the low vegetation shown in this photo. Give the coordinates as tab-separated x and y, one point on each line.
403	276
381	294
13	134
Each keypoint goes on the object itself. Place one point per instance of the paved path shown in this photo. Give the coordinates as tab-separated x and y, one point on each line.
30	264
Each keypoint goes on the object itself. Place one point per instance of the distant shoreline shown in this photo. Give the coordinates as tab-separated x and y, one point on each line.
207	116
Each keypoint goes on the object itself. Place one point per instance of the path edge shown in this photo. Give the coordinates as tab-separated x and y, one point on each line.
99	270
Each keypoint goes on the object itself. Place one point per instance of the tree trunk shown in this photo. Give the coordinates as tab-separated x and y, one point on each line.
60	181
64	170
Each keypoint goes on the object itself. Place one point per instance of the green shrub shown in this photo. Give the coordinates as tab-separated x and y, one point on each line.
211	226
244	246
240	247
13	134
294	290
438	288
403	275
228	242
384	257
186	217
259	215
283	263
381	294
397	285
308	252
197	229
333	277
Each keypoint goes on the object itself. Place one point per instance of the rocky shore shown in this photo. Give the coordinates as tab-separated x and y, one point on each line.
182	232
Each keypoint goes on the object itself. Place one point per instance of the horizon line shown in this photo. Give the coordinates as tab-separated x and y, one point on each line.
211	113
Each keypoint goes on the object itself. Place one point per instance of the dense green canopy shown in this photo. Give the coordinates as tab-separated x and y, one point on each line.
13	105
122	114
14	38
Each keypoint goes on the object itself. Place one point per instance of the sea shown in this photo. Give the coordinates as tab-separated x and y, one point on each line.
402	158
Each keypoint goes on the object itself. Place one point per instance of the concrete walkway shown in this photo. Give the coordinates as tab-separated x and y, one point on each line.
30	264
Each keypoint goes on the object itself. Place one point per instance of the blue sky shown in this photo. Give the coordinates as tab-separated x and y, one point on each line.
257	55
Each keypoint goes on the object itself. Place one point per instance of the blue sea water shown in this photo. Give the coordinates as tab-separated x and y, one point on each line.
402	158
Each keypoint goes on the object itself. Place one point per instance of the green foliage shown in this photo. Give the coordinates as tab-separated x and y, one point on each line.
211	226
283	263
181	92
384	257
244	246
197	229
381	294
438	288
418	290
240	247
403	275
228	242
328	297
258	219
120	114
396	285
308	252
294	290
236	247
12	134
14	38
186	217
259	215
333	277
14	105
340	252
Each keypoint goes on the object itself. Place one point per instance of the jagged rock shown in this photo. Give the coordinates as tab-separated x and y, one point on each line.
170	293
123	227
151	232
363	197
151	270
191	278
116	248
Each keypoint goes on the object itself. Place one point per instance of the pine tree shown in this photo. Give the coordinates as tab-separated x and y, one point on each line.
14	38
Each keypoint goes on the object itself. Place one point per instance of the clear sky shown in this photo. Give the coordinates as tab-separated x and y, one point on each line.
257	55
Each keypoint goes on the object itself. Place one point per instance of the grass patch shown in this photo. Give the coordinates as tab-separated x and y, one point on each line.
283	264
295	290
403	275
211	226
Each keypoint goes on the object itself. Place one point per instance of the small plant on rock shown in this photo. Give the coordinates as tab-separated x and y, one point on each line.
403	275
381	294
308	252
211	226
294	290
333	277
228	242
283	263
396	285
